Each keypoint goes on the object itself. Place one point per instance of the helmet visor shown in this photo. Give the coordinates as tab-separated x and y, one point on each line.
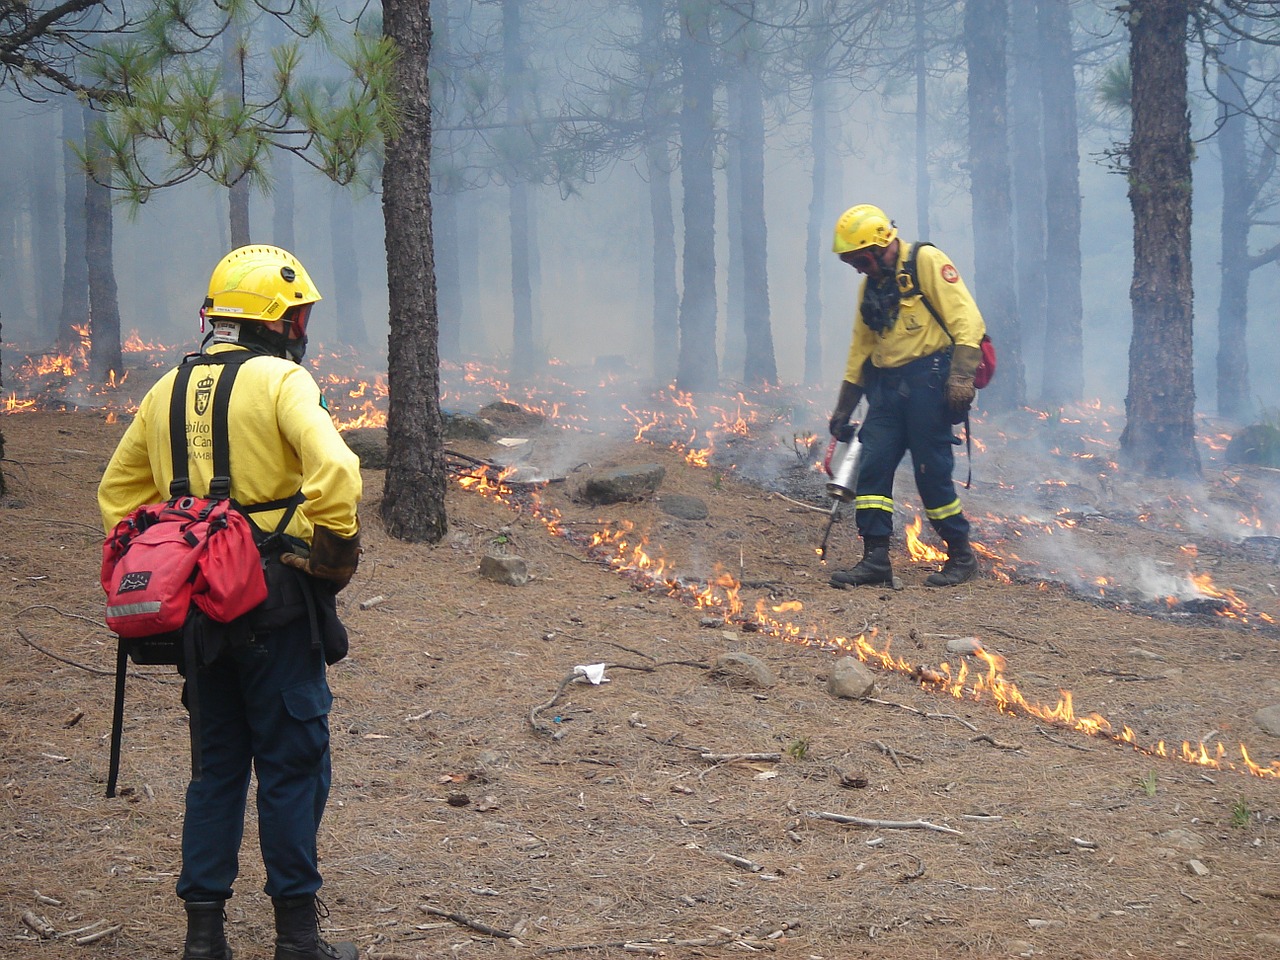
864	260
297	317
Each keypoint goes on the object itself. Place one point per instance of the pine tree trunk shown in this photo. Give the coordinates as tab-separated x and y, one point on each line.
105	357
1238	193
1159	435
46	250
75	266
698	368
815	250
760	364
985	32
414	490
1062	379
1028	177
666	329
923	182
347	298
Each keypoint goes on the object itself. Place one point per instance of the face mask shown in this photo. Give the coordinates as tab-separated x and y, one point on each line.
880	304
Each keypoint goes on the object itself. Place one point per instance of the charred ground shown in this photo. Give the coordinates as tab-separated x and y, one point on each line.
471	779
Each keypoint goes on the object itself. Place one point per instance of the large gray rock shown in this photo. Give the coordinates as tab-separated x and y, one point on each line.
686	508
504	568
742	670
622	484
850	679
370	445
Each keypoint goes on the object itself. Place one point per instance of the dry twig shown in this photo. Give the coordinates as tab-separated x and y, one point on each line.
883	824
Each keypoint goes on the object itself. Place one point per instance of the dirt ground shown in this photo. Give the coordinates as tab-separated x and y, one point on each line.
486	805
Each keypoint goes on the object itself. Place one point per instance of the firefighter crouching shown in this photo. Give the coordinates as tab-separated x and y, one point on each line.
264	701
916	371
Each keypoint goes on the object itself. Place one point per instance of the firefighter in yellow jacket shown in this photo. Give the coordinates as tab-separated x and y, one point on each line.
264	700
916	370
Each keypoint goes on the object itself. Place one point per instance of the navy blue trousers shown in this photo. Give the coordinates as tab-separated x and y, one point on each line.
907	412
263	705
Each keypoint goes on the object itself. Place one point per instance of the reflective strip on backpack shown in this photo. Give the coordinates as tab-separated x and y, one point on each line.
133	609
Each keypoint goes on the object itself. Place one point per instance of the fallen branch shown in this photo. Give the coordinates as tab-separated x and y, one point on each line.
893	754
731	757
475	925
883	824
807	506
921	713
987	738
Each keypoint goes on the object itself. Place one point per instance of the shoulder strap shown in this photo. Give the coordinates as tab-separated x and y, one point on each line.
914	289
220	486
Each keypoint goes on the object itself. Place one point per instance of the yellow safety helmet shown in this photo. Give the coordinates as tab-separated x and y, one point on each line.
863	226
258	282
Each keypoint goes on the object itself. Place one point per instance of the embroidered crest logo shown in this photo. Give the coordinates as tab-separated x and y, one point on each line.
949	273
204	390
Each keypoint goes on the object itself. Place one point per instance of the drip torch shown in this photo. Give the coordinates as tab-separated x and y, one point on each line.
841	465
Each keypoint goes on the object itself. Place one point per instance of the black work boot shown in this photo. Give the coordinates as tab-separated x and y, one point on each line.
872	570
298	933
961	566
205	939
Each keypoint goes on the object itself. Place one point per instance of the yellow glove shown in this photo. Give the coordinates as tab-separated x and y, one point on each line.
332	557
960	389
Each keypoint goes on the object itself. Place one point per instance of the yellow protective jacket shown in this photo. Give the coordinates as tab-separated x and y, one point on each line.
282	440
915	333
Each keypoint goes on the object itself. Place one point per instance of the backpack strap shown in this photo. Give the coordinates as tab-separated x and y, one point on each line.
220	485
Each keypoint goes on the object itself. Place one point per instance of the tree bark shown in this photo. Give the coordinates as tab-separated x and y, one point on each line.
985	33
524	358
347	298
819	223
1028	175
233	57
75	266
698	367
666	329
1062	379
1238	194
923	183
760	365
414	490
105	357
1159	434
46	250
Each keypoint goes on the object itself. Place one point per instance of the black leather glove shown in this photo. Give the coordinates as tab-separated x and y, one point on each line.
332	557
850	394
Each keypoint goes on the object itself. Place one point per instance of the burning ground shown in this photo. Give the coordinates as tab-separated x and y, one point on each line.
1035	799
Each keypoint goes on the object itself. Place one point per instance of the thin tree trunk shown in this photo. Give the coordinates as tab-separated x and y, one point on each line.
985	31
282	201
233	59
698	368
816	230
1237	198
761	365
1062	380
46	249
923	182
105	358
1159	435
348	300
75	266
414	490
1028	174
666	329
524	358
735	341
666	310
